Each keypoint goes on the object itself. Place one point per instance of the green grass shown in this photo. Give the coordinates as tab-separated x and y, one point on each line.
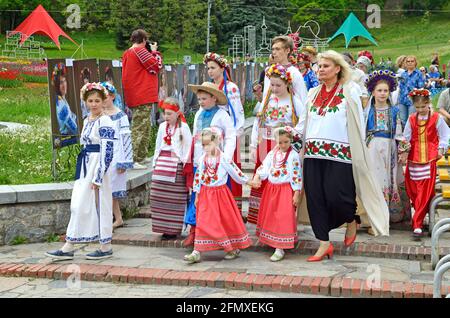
53	238
34	78
19	240
25	156
24	105
409	36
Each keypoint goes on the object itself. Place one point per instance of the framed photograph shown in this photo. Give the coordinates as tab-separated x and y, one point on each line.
65	119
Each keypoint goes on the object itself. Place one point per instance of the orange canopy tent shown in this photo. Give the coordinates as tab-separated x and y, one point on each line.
40	22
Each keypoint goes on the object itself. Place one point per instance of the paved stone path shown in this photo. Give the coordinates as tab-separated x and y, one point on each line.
19	287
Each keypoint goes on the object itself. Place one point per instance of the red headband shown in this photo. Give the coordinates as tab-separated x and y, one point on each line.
173	107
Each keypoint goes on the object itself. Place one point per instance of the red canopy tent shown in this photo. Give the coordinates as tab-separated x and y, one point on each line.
40	22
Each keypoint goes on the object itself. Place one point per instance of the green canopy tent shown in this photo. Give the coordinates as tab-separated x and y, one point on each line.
352	28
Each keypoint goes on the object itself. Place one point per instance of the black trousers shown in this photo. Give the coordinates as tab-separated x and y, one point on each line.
330	194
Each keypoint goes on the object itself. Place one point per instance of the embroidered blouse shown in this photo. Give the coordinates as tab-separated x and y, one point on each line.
123	150
180	147
234	96
99	132
219	177
278	113
384	122
326	134
290	171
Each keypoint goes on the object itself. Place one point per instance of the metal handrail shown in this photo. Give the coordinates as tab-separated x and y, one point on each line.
441	227
438	198
437	283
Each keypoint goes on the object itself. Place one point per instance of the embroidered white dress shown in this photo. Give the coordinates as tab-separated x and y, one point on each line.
91	220
123	154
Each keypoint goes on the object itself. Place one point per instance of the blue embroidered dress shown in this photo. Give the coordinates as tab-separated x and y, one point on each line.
89	221
384	131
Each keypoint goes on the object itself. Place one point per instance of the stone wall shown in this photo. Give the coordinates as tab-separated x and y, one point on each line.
36	212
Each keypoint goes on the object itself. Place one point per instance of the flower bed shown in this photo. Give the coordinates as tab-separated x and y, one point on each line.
14	72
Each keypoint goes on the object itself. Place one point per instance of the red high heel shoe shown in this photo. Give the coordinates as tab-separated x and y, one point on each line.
349	241
329	253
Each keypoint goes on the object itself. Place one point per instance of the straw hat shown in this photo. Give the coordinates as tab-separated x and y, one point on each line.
212	89
310	50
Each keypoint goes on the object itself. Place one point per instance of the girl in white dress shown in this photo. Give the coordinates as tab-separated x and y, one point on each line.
123	152
91	203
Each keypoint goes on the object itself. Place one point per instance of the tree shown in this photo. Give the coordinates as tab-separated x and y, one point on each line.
419	7
127	16
240	13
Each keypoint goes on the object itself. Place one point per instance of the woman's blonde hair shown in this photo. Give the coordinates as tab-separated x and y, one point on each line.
333	56
400	61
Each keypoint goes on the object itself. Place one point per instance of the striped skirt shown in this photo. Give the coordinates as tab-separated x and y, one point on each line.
255	194
168	203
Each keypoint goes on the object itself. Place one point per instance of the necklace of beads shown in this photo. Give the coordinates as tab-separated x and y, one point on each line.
211	165
280	158
168	137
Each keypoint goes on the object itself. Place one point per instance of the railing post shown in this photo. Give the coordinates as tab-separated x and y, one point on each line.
441	227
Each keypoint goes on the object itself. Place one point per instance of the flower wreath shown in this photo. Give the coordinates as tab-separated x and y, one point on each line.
109	87
381	75
280	71
419	92
211	56
93	86
58	70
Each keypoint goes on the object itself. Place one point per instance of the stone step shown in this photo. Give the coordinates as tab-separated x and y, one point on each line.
231	279
303	247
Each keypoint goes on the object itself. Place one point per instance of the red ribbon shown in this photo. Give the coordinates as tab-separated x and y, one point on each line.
173	107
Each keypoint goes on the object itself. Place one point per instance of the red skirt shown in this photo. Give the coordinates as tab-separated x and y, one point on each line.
219	222
255	194
277	221
236	188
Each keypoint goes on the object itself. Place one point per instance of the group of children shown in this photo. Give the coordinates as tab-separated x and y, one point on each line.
203	163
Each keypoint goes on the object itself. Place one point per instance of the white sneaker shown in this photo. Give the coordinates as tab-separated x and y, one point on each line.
232	255
278	255
417	233
138	166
